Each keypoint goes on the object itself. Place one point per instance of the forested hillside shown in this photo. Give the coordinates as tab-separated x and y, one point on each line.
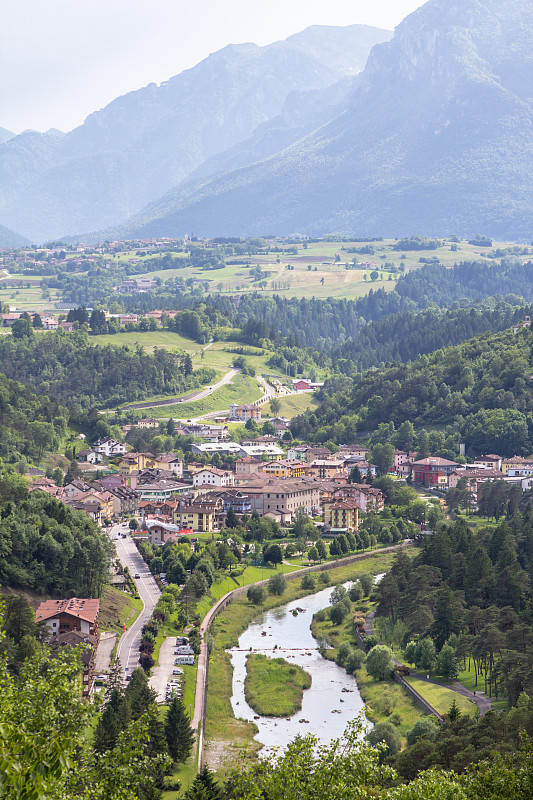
78	373
468	280
483	388
48	547
29	423
405	336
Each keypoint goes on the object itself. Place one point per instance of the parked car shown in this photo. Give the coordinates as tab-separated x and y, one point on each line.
136	575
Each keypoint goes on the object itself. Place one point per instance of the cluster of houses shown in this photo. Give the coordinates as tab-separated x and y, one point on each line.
257	475
73	622
440	473
253	475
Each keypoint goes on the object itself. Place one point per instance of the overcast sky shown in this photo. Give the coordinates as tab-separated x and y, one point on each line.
62	59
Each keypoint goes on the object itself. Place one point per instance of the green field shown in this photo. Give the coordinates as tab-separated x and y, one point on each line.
150	339
326	277
440	697
273	687
242	389
219	356
292	405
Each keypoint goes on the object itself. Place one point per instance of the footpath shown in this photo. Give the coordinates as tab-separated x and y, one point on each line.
483	702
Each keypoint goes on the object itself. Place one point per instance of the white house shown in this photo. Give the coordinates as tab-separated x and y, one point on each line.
212	476
110	447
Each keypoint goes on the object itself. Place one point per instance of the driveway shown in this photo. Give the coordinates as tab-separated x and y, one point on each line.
103	654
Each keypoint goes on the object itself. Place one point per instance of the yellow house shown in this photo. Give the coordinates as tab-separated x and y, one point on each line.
133	462
515	461
199	517
286	468
341	514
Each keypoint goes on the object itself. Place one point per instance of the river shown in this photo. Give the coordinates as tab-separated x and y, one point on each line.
333	698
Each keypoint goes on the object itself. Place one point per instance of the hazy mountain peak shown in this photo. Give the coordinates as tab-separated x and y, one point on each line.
143	143
435	138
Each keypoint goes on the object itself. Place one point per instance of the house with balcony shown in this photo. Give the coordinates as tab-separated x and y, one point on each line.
212	476
73	622
341	515
244	412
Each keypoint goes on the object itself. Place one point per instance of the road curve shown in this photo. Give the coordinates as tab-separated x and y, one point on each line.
187	398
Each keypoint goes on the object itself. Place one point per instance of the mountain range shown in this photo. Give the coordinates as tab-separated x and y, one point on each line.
434	135
146	142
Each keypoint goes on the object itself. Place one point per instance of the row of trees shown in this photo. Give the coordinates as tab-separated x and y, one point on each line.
466	598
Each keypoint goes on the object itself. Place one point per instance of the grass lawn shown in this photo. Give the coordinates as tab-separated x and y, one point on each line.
477	521
440	697
118	609
242	389
291	405
273	687
149	339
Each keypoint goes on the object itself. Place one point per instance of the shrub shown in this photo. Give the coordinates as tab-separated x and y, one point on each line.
378	662
387	734
256	594
343	653
425	728
367	582
355	592
354	661
337	613
324	577
308	581
277	584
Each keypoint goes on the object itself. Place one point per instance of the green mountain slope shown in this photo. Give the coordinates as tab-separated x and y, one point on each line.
482	388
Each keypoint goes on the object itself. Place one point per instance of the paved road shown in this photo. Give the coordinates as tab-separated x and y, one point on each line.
198	395
149	592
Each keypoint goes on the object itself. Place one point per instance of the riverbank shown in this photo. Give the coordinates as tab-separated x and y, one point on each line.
228	738
385	701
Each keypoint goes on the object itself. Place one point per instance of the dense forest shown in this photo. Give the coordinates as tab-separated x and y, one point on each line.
469	280
466	600
29	423
78	373
482	388
48	547
408	334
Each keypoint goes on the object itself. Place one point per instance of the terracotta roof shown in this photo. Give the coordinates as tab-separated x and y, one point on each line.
75	607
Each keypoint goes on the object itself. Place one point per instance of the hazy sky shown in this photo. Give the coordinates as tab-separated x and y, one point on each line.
62	59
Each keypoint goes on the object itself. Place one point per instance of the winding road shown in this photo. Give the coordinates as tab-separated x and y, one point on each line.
198	395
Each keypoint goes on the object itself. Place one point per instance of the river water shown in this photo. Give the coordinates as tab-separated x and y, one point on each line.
326	708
